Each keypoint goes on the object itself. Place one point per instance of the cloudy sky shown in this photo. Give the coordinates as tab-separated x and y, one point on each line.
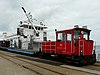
56	14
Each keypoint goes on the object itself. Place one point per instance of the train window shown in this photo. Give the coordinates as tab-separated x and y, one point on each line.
61	37
85	35
76	34
69	37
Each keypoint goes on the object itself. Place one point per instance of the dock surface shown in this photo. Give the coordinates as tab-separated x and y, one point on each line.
11	64
9	68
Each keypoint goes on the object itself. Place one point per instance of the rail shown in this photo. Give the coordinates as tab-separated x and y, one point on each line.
8	57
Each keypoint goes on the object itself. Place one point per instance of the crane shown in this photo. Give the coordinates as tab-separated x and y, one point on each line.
30	21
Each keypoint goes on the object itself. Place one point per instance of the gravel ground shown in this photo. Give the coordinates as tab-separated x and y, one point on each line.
8	68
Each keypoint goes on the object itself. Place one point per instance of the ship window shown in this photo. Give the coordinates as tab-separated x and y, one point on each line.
41	28
36	28
25	26
30	27
44	38
44	34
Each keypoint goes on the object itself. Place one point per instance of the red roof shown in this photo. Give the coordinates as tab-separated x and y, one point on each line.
87	30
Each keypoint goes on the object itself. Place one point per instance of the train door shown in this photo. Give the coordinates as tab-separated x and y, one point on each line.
69	43
84	43
61	43
79	42
76	39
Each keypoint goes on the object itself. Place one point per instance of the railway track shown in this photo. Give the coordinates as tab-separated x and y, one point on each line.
12	57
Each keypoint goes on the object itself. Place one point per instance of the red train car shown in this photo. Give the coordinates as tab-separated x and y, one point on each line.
4	43
73	45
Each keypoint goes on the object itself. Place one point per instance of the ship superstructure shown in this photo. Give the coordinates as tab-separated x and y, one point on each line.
29	35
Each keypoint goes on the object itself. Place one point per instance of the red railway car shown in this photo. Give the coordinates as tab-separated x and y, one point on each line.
4	43
73	45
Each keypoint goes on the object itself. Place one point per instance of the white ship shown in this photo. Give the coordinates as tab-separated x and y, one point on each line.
29	35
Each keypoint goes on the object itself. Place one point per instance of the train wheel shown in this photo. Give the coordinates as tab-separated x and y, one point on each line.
46	55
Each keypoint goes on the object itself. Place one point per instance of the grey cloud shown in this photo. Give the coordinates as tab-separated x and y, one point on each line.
59	14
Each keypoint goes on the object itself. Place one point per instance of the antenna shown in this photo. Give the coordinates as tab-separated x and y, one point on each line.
29	17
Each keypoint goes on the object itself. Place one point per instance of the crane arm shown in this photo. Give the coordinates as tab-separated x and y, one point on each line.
30	21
